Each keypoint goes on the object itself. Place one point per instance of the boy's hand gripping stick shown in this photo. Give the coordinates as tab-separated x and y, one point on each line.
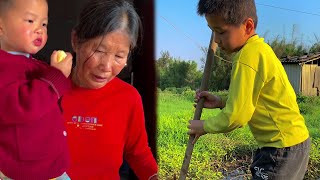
197	114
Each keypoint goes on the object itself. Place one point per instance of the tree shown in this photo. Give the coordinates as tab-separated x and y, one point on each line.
182	74
221	70
316	46
162	65
176	72
282	47
164	60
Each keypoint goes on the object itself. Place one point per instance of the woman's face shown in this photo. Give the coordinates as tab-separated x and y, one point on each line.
100	59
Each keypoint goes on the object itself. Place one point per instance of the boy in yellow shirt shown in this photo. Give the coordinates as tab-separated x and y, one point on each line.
260	94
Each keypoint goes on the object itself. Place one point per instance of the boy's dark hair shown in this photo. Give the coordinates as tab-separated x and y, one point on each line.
100	17
234	12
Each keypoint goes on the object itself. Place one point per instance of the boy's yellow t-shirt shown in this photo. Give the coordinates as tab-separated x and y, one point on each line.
261	95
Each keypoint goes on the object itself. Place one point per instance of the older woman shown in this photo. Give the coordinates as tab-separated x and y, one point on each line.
104	115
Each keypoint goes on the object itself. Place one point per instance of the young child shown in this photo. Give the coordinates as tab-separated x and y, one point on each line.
260	94
33	138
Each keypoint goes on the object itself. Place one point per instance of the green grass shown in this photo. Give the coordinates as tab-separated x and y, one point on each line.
216	155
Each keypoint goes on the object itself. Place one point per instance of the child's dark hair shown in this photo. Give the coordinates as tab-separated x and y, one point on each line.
6	4
100	17
233	11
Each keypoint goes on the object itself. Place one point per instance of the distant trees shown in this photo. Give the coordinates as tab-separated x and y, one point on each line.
283	48
221	70
316	46
175	72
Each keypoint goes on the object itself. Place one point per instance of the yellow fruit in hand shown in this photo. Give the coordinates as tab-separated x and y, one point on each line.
61	55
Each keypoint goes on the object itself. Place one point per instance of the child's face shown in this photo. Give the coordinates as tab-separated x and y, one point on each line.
230	38
23	27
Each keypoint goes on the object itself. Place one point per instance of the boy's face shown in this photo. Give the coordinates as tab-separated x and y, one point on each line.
230	38
23	27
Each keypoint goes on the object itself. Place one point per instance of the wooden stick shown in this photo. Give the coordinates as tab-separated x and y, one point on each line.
197	114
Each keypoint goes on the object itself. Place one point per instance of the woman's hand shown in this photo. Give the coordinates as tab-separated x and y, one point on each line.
210	101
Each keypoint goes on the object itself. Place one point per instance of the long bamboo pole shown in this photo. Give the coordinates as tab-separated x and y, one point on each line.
197	114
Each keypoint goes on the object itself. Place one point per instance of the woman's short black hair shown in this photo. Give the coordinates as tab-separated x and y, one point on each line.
100	17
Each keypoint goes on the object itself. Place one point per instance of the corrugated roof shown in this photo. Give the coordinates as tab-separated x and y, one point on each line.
301	59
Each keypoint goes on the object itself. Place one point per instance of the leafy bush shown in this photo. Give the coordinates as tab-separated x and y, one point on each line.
308	104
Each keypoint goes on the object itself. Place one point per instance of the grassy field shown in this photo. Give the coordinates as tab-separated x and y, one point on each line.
217	156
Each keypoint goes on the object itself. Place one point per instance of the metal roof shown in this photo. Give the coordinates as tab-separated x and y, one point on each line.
300	59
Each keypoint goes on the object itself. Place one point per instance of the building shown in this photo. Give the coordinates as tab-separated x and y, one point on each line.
304	73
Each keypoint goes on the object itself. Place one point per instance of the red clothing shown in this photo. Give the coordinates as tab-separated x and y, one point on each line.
32	135
105	125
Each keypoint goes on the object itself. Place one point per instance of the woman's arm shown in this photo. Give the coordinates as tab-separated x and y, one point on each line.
137	152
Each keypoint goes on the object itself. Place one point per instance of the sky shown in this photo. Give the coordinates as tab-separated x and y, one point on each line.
182	32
